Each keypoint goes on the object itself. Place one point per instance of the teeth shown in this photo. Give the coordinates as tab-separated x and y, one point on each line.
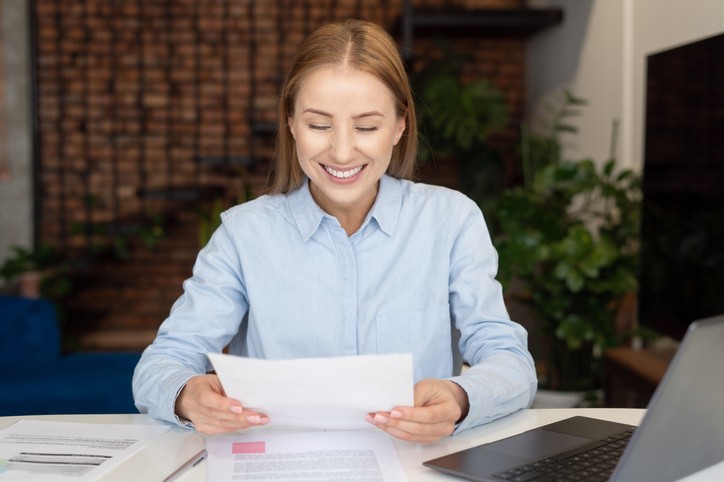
343	174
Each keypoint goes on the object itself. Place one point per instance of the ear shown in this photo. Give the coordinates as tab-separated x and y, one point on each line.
290	123
401	124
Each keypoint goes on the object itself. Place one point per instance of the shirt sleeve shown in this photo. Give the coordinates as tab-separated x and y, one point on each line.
204	319
501	378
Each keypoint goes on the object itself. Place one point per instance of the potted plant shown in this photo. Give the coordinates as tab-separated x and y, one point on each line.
569	237
38	272
456	122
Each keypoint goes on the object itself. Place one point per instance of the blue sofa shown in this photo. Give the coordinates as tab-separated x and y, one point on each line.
36	378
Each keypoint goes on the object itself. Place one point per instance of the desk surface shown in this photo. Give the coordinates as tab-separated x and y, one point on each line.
167	454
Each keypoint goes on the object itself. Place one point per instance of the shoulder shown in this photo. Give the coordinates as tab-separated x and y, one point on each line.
266	209
421	196
434	211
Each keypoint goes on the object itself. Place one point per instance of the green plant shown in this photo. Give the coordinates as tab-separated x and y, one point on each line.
210	214
570	236
116	239
209	221
47	261
456	121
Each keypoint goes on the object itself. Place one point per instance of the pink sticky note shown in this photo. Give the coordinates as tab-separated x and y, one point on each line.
248	447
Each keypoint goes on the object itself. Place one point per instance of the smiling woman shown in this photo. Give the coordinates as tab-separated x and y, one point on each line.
346	256
353	48
345	129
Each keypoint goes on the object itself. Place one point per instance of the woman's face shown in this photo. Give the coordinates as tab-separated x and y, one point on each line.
345	125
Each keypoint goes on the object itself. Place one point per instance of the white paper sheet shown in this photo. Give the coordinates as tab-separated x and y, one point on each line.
48	451
329	393
342	456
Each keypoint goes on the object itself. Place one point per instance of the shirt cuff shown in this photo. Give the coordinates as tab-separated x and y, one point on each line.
479	403
173	386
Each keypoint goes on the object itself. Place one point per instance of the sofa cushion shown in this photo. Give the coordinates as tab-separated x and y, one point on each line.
30	334
37	379
78	383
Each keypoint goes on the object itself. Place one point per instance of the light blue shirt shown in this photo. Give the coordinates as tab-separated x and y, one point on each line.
281	278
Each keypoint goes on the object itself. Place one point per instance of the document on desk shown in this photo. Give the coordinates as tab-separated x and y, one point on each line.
325	393
339	455
49	451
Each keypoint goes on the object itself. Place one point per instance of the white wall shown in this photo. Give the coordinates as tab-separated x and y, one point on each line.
16	195
599	53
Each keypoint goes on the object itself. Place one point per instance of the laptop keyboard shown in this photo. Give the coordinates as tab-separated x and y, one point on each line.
591	463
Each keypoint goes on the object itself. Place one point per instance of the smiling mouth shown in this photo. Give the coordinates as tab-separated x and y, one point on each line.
344	174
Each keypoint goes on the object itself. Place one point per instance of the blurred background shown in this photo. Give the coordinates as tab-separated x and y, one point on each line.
126	127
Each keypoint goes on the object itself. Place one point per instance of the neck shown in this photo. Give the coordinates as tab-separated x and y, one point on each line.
350	225
351	216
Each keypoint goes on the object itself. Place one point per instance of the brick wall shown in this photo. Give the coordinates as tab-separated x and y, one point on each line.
143	107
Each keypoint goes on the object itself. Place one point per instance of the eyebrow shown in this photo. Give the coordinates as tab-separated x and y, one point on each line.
358	116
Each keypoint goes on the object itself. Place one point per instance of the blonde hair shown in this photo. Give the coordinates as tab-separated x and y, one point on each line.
360	45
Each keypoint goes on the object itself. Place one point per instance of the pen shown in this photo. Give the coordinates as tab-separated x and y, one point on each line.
190	464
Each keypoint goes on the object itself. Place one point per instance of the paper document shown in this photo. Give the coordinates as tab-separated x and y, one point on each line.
341	456
330	393
46	451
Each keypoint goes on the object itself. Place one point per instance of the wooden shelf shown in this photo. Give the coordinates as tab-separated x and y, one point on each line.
633	375
459	21
118	340
456	21
647	365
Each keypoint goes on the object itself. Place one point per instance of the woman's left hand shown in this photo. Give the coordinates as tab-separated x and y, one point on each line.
439	405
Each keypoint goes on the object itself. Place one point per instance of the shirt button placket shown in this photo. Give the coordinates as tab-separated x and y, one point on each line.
348	290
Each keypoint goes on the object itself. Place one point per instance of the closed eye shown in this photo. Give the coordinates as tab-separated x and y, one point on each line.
319	127
367	129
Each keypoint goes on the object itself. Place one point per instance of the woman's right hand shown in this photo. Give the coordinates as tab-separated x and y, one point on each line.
203	402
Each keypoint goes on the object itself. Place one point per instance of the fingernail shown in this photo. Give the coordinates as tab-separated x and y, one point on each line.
380	418
265	420
370	418
236	409
396	414
255	419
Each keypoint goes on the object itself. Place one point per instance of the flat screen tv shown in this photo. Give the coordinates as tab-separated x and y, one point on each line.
682	229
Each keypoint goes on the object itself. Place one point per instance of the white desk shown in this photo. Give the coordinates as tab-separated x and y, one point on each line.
173	449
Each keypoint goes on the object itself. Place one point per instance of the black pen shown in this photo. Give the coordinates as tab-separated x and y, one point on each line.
190	464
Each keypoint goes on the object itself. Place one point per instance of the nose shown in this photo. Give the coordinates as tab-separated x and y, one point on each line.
342	149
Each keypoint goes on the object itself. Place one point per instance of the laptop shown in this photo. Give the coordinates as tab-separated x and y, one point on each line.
681	433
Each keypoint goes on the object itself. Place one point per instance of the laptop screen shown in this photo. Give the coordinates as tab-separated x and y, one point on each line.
683	430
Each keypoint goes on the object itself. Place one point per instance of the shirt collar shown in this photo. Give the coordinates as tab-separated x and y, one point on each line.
387	206
305	211
385	211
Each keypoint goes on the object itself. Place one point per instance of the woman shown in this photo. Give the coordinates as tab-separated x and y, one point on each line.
346	256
